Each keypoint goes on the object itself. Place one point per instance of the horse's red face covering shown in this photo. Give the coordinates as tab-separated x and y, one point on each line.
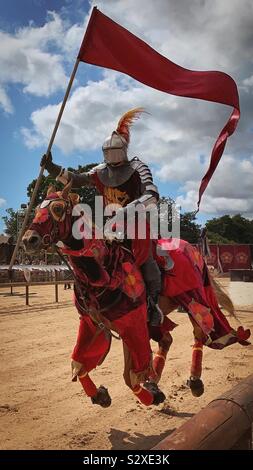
52	222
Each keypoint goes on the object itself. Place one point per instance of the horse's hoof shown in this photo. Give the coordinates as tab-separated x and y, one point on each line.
102	397
158	395
196	386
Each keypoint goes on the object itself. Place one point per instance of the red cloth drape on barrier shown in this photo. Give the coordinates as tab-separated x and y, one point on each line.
230	257
213	258
235	257
107	44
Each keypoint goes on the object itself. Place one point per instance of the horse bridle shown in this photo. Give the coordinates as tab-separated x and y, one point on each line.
48	239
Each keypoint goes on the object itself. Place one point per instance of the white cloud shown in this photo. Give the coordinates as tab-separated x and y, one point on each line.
182	169
230	190
92	113
216	205
5	101
2	202
55	32
26	59
248	83
179	135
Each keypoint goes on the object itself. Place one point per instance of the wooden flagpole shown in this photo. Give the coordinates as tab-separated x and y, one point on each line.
28	211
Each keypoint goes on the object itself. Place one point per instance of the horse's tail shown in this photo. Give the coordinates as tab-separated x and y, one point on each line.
222	297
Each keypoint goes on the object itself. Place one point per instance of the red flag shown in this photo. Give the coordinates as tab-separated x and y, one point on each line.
109	45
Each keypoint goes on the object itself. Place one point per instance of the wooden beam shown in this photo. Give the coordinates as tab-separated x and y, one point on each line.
224	424
34	283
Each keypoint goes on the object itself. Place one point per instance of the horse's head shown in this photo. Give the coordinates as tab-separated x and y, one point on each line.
52	221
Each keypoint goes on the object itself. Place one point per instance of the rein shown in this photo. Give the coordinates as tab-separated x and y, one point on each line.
48	238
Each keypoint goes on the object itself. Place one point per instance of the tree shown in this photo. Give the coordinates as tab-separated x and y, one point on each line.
189	229
217	239
11	223
235	229
14	220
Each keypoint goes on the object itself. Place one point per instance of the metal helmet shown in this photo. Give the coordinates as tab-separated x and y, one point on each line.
115	149
115	146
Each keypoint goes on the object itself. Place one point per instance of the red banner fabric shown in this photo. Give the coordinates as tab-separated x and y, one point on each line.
107	44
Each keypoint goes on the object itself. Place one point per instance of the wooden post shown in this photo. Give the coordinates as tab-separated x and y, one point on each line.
56	287
10	279
27	294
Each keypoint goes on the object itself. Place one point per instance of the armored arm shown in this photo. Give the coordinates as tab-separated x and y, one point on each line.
149	192
64	176
78	179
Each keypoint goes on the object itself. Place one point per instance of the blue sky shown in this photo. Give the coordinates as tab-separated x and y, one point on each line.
19	164
39	41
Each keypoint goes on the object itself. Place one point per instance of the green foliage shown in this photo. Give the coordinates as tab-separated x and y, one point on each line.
42	191
216	239
11	222
189	229
231	229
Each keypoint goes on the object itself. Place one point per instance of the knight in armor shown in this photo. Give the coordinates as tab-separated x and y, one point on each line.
121	181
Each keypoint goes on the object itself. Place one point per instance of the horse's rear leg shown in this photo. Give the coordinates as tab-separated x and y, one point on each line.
148	392
195	383
160	357
99	396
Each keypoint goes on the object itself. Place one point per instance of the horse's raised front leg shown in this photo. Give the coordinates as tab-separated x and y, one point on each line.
90	350
99	396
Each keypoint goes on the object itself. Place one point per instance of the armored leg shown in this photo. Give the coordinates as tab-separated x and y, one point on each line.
152	278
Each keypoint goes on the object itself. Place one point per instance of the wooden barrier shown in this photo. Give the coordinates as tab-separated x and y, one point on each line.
224	424
245	275
55	283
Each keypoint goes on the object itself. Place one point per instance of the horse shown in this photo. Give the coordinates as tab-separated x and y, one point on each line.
110	296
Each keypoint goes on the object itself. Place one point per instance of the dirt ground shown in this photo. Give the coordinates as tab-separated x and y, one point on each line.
41	408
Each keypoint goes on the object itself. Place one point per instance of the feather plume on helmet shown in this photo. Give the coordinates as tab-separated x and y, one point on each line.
115	146
126	122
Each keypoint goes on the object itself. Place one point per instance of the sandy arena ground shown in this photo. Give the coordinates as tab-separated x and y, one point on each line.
41	408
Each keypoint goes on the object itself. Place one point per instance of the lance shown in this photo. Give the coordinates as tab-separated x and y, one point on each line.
33	196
